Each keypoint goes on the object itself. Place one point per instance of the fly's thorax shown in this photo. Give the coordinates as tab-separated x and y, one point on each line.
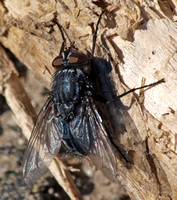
69	86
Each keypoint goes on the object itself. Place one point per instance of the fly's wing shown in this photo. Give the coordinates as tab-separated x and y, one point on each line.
43	144
102	153
89	133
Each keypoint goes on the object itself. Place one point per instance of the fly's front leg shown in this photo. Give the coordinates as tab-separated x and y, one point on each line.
101	70
62	34
134	89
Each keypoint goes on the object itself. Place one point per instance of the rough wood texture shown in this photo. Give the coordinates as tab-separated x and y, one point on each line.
141	37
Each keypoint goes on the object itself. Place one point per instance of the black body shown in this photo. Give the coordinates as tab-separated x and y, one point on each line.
72	94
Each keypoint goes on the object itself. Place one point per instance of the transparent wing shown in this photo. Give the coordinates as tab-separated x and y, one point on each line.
88	131
43	144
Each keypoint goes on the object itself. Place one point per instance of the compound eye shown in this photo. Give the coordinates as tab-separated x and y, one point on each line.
58	61
78	58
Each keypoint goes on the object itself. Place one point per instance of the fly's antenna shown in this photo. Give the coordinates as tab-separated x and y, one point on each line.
95	34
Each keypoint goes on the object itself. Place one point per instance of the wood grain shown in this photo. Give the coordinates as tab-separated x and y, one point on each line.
141	39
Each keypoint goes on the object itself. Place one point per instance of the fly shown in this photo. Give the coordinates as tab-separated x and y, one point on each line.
70	117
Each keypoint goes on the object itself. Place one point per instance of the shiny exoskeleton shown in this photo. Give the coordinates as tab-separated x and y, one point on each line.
72	96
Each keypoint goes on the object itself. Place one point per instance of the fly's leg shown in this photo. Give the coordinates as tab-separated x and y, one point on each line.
62	33
134	89
95	35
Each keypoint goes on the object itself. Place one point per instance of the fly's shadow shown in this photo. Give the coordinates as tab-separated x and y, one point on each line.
123	131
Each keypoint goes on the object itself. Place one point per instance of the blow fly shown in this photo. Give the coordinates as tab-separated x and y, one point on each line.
70	117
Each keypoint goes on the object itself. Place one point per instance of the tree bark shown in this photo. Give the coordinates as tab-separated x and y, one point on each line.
141	40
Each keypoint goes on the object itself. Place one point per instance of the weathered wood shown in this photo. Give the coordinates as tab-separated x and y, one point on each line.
142	40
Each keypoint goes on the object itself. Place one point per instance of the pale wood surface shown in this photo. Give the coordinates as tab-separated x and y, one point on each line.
142	40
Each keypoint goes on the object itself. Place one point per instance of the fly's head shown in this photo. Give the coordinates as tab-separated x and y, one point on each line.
70	59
